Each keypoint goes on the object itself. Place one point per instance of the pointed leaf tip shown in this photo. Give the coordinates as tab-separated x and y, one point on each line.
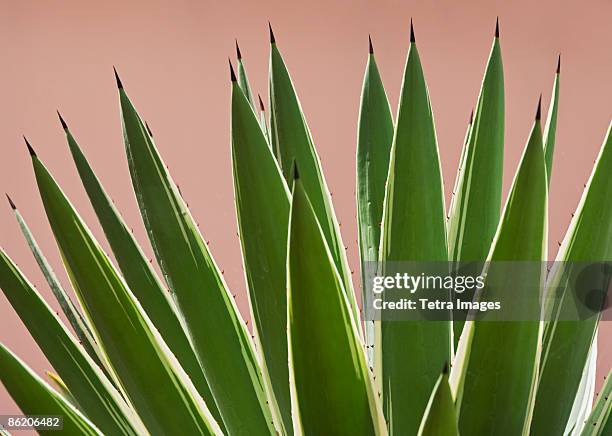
30	149
232	74
63	123
238	54
559	64
148	129
539	110
261	105
497	27
272	39
119	84
445	368
370	44
11	202
472	116
295	172
412	39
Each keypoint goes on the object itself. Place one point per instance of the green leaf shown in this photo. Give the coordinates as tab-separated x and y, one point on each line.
599	422
95	394
140	276
461	168
35	397
475	215
411	353
219	335
374	139
74	316
440	418
243	80
458	323
551	123
294	142
567	343
583	402
331	388
488	403
475	206
61	388
148	372
262	207
272	132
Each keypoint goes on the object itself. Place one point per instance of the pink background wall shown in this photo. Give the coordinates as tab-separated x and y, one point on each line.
172	57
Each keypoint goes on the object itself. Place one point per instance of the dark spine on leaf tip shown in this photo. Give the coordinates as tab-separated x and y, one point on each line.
412	39
62	122
11	202
261	105
232	74
539	109
30	149
559	65
497	27
370	48
272	39
296	173
238	54
119	84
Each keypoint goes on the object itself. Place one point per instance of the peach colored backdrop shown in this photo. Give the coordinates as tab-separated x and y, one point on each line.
172	57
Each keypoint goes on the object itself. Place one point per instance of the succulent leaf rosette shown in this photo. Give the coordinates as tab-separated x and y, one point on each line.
170	354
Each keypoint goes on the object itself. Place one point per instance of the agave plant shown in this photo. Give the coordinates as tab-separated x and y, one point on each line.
172	355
